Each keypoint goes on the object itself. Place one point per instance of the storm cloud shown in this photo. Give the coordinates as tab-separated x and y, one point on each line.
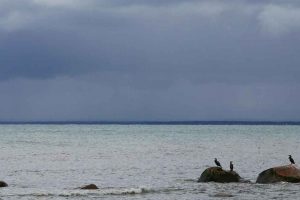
149	60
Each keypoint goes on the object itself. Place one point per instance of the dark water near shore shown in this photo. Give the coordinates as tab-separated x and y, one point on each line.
142	161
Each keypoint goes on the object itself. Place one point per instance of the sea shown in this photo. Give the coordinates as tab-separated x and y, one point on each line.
139	161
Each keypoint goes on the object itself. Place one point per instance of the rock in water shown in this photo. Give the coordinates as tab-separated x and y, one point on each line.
217	174
89	187
222	195
288	173
3	184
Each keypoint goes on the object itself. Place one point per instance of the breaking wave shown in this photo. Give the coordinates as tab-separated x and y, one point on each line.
92	193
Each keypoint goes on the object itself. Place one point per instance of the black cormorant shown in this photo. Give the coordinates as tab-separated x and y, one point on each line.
291	159
231	166
218	163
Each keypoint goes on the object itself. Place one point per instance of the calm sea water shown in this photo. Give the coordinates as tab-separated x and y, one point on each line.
142	161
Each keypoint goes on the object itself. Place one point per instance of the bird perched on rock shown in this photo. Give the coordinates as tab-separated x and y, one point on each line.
231	166
218	163
291	159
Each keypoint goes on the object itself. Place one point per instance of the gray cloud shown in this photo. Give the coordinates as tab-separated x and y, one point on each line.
278	20
149	60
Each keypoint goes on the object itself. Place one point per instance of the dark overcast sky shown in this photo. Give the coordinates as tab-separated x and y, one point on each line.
149	60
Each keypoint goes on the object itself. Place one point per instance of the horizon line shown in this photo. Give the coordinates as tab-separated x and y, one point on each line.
155	122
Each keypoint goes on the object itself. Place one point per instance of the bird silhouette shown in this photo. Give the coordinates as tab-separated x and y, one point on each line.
218	163
231	166
291	159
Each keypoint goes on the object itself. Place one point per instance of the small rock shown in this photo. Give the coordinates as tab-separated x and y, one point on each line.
3	184
222	195
89	187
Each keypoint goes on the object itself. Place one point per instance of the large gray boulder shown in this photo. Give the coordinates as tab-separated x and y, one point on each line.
217	174
288	173
3	184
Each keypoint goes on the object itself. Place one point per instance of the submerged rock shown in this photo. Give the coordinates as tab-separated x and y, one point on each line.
222	195
3	184
288	173
217	174
89	187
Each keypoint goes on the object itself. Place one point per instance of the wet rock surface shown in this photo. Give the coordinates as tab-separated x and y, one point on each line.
217	174
3	184
89	187
288	173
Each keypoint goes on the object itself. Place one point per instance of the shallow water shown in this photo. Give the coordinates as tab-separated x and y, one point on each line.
142	161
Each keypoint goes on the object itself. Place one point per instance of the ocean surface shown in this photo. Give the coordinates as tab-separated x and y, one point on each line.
142	161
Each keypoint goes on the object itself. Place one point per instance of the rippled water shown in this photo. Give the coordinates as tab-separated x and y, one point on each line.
142	161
